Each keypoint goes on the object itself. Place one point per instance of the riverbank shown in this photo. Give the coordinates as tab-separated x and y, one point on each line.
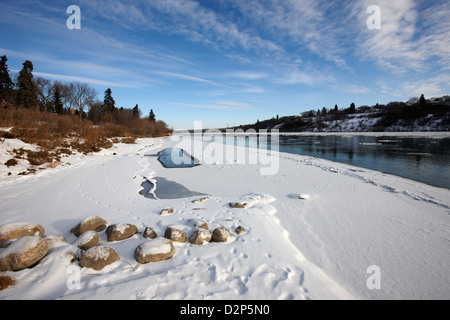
320	247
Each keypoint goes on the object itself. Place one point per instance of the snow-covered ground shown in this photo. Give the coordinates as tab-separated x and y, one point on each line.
357	230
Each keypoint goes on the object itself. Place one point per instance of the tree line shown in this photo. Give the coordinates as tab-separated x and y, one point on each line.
74	98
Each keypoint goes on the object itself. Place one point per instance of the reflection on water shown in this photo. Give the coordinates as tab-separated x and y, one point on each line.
422	159
176	158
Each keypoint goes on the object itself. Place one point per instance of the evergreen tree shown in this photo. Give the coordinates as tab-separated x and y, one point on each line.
57	102
6	84
324	111
27	93
152	117
352	108
109	105
422	100
336	109
5	79
136	112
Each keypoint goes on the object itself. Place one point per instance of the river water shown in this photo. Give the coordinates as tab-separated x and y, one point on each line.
425	159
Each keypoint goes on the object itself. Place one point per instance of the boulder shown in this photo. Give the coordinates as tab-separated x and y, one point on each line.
55	241
118	232
87	240
155	250
90	224
222	235
23	253
197	223
200	237
98	257
240	230
237	205
200	200
13	231
150	233
167	212
176	235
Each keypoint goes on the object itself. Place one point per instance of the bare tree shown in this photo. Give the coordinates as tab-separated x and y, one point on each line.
81	96
44	89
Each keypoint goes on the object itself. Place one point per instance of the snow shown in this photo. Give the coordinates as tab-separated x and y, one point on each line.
321	248
155	246
20	246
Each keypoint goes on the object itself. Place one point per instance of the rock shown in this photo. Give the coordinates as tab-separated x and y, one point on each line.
304	196
119	232
23	253
197	223
98	257
53	165
150	233
159	249
201	200
128	140
87	240
13	231
237	205
166	212
200	237
176	235
90	224
222	235
240	230
55	241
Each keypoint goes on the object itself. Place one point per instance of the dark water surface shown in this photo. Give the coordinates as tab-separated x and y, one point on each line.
423	159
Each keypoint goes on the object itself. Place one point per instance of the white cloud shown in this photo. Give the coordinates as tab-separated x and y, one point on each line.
409	36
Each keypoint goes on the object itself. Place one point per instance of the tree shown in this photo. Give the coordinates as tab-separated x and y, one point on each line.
336	109
26	95
136	112
44	89
109	104
6	84
95	112
324	111
82	95
352	109
152	117
58	106
422	100
5	79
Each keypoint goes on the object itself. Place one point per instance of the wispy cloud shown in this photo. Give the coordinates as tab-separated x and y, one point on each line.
81	79
410	36
185	77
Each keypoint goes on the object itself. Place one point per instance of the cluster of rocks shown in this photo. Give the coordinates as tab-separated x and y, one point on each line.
26	243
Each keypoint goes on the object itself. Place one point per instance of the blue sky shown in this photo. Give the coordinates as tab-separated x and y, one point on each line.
231	62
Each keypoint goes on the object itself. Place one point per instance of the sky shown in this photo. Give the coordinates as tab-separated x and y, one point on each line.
232	62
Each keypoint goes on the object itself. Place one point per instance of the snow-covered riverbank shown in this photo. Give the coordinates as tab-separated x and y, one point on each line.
321	247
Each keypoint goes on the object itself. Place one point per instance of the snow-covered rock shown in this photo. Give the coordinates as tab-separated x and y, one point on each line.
87	240
23	253
98	257
92	223
175	234
118	232
222	235
159	249
200	237
13	231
